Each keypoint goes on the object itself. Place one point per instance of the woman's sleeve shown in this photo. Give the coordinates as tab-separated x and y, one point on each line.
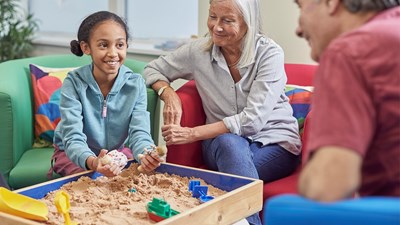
175	65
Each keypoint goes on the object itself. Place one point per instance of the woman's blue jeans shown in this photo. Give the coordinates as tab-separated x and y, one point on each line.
229	153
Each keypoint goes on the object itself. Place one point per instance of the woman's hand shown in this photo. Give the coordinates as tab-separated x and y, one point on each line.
172	107
108	170
175	134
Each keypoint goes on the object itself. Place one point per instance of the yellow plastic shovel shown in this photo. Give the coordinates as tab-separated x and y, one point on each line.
22	206
61	200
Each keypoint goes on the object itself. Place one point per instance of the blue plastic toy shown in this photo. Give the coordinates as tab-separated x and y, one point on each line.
199	191
193	183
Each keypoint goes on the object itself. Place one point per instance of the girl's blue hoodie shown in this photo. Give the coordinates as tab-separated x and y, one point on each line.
90	122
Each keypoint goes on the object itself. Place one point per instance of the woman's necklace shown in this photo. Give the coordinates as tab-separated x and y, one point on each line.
234	64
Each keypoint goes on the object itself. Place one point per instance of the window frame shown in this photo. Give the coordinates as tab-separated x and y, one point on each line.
136	46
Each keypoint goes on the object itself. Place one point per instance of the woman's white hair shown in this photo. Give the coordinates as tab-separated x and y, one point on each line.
250	12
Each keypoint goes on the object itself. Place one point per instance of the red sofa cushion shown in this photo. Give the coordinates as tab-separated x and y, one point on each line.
300	74
192	115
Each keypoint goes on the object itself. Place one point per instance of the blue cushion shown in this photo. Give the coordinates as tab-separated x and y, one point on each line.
293	209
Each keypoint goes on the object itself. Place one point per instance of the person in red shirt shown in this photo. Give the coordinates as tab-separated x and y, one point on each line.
354	131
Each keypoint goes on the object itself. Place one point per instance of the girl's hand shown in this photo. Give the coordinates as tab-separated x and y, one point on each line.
149	162
108	170
175	134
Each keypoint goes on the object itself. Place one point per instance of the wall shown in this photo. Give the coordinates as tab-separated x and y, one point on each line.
279	19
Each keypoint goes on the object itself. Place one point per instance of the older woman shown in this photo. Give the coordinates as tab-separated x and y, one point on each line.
239	73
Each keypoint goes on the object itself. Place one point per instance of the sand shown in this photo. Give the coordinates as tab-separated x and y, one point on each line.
123	199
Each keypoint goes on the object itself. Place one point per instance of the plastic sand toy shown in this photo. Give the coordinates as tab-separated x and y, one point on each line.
22	206
199	191
61	200
159	209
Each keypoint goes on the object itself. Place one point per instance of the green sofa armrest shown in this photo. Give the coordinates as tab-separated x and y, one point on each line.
17	119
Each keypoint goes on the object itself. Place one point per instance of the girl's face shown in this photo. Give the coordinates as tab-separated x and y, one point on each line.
225	23
107	47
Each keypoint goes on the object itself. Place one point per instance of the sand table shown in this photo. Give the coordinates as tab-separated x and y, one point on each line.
123	199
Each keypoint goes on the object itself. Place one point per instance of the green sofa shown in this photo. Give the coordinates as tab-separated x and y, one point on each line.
20	163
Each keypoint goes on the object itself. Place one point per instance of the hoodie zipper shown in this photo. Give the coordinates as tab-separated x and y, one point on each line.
104	112
104	115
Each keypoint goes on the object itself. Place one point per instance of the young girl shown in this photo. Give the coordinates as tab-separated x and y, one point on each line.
103	104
